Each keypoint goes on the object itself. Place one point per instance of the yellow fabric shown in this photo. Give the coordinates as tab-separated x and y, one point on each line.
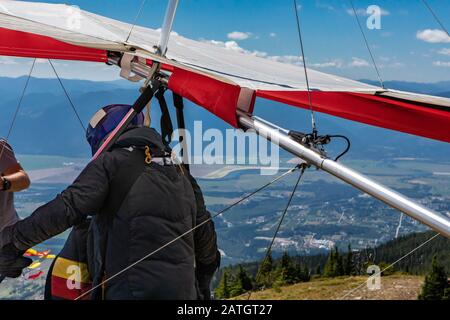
63	268
34	265
31	252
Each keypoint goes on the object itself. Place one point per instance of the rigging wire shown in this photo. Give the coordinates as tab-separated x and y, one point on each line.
390	266
435	16
19	105
299	31
136	19
380	79
269	248
67	95
188	232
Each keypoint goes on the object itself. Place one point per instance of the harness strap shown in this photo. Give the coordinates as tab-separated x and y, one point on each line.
125	68
179	106
166	122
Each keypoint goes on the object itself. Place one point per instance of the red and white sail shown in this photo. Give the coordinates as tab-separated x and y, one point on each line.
216	78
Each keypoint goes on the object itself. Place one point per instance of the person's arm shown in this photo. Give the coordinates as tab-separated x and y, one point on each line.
204	236
17	177
85	196
207	256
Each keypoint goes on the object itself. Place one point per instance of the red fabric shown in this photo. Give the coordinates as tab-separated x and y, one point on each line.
216	96
60	289
166	67
23	44
374	110
35	275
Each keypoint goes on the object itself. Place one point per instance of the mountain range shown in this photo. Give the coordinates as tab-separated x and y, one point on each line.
441	88
46	123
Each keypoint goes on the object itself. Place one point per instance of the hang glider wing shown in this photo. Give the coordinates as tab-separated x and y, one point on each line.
219	77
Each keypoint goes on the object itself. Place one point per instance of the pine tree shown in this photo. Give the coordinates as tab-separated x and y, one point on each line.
446	294
298	270
285	260
350	268
244	278
265	276
288	270
278	277
436	285
330	266
340	271
223	290
239	283
335	265
236	288
304	274
318	271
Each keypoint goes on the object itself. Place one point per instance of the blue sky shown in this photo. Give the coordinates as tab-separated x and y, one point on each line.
333	42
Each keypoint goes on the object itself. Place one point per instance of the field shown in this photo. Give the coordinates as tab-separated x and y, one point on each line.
395	287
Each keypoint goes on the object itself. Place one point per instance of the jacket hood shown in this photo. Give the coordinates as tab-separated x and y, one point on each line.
141	137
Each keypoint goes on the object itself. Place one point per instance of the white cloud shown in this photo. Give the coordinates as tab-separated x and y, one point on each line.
321	5
433	36
8	61
297	60
358	63
397	65
442	64
385	12
40	60
234	46
363	12
341	64
393	65
291	59
272	34
238	35
336	63
172	33
444	51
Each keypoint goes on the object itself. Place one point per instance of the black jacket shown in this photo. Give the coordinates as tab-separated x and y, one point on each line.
163	203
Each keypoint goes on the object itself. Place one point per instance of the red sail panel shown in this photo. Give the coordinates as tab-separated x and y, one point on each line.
217	97
23	44
384	112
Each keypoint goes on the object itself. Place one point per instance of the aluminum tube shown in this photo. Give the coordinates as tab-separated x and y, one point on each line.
392	198
167	26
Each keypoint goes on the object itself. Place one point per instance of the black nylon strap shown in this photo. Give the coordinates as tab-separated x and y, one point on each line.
179	106
166	122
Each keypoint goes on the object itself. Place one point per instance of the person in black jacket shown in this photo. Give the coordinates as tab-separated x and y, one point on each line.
161	202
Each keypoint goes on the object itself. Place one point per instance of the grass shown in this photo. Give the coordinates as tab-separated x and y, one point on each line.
394	287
